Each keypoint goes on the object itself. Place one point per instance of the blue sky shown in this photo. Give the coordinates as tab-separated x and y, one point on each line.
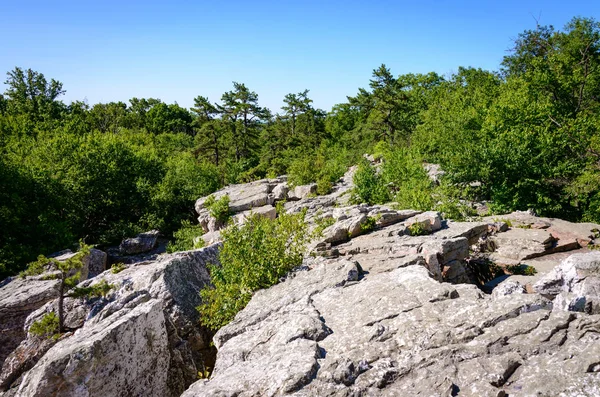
175	50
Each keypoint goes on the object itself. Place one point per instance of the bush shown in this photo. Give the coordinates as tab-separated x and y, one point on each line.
218	209
186	238
369	186
254	256
403	170
47	327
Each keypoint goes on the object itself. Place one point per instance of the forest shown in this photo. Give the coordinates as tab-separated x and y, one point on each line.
525	136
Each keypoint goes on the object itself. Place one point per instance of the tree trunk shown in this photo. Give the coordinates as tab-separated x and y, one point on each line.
61	291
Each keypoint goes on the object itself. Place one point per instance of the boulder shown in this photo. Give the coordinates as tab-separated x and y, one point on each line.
344	229
280	192
508	287
518	244
576	280
444	258
267	211
243	197
18	299
129	353
93	264
143	242
428	222
144	337
302	192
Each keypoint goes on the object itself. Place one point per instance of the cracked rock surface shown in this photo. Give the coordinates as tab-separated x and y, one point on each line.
376	322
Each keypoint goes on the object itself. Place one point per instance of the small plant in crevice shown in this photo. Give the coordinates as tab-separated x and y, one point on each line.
46	327
417	229
98	290
218	208
523	270
369	225
117	268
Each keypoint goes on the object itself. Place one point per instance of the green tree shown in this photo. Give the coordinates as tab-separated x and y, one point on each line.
241	111
29	93
209	130
68	273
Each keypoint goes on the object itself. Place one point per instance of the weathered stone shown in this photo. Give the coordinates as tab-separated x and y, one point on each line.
18	299
210	238
267	211
242	197
396	333
344	230
429	222
518	244
302	192
143	242
439	253
93	264
130	354
23	358
508	287
280	192
578	275
145	333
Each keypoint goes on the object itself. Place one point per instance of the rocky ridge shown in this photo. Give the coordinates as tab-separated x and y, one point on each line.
389	302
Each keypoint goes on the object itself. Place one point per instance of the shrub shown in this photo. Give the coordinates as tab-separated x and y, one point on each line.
524	270
417	229
186	238
403	170
47	327
98	290
369	224
219	209
368	186
118	268
254	256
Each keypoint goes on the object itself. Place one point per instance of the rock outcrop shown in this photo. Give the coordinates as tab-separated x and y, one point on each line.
143	338
387	302
143	242
18	299
397	331
574	284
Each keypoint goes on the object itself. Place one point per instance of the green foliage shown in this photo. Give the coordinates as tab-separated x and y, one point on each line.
322	224
118	267
254	256
417	229
186	238
369	186
47	327
403	171
98	290
218	208
524	270
369	224
526	134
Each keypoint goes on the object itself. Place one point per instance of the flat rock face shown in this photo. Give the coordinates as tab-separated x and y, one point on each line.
128	355
246	196
400	332
518	244
18	299
144	338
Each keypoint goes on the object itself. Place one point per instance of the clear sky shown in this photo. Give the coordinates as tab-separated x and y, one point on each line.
175	50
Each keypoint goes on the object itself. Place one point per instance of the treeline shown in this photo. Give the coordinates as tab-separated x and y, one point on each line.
525	136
